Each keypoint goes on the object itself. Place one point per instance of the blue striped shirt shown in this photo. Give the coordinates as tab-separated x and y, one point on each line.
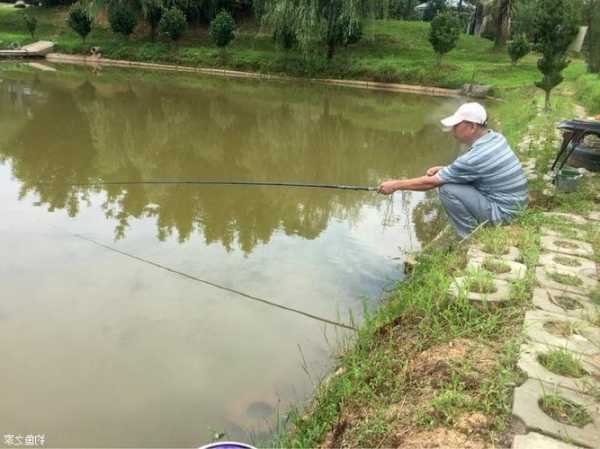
494	170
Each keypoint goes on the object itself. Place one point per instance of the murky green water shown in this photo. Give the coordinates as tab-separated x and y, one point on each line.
99	349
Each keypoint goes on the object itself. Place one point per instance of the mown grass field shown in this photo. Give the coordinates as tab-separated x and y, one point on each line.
391	51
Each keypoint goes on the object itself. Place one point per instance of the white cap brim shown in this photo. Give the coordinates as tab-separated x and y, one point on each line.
451	121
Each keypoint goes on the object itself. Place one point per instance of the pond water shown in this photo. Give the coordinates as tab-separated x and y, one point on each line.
101	349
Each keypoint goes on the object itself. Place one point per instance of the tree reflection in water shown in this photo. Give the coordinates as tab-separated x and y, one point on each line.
58	132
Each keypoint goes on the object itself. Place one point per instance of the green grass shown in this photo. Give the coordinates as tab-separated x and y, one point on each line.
565	279
565	411
495	266
562	362
567	261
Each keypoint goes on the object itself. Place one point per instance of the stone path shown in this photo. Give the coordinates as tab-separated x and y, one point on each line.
565	322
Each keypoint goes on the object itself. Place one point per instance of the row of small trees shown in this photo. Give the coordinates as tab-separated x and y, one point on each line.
168	21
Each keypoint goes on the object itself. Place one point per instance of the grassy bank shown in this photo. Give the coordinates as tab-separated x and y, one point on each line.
391	51
429	368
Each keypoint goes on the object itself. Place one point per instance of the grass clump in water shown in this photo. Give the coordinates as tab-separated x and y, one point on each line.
565	279
562	362
565	411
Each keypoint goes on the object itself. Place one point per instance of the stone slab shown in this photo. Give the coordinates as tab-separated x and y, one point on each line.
501	295
477	252
579	342
573	218
580	234
594	216
534	440
549	300
42	67
583	249
526	408
544	280
517	270
528	362
585	267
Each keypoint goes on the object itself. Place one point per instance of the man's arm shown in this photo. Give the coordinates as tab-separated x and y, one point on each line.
421	183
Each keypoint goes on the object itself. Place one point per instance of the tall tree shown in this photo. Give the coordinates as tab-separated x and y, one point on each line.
592	20
504	11
555	27
328	22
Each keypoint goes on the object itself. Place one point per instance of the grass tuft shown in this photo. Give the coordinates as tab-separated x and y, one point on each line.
562	362
565	411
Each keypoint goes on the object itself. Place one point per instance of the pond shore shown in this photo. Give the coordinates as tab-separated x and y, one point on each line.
427	367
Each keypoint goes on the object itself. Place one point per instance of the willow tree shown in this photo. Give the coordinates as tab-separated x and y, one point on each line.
317	22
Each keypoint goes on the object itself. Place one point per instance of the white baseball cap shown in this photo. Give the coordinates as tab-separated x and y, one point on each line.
468	112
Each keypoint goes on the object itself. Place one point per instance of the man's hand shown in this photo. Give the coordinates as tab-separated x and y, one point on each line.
387	187
433	170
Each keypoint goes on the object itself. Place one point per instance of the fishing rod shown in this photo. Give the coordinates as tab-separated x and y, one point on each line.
219	182
212	284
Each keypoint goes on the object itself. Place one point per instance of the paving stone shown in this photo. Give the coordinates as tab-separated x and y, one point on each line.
552	233
579	248
577	219
583	342
528	362
534	440
517	270
580	266
526	408
549	191
545	281
501	295
477	252
564	303
595	216
532	176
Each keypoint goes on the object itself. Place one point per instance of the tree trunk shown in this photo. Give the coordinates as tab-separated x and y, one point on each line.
330	50
547	101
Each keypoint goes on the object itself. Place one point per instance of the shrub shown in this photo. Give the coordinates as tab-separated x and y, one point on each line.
80	20
173	23
121	17
555	28
518	48
153	12
444	33
30	24
221	29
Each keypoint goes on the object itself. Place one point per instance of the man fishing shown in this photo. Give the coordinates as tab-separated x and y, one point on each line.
486	184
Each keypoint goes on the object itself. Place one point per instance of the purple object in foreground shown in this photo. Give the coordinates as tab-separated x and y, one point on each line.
227	445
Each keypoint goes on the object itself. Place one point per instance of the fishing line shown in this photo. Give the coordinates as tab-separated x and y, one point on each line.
212	284
217	182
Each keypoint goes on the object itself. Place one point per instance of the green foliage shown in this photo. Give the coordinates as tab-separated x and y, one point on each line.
152	11
173	23
518	48
311	22
221	29
592	53
80	20
444	34
434	7
503	12
121	17
555	27
30	24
